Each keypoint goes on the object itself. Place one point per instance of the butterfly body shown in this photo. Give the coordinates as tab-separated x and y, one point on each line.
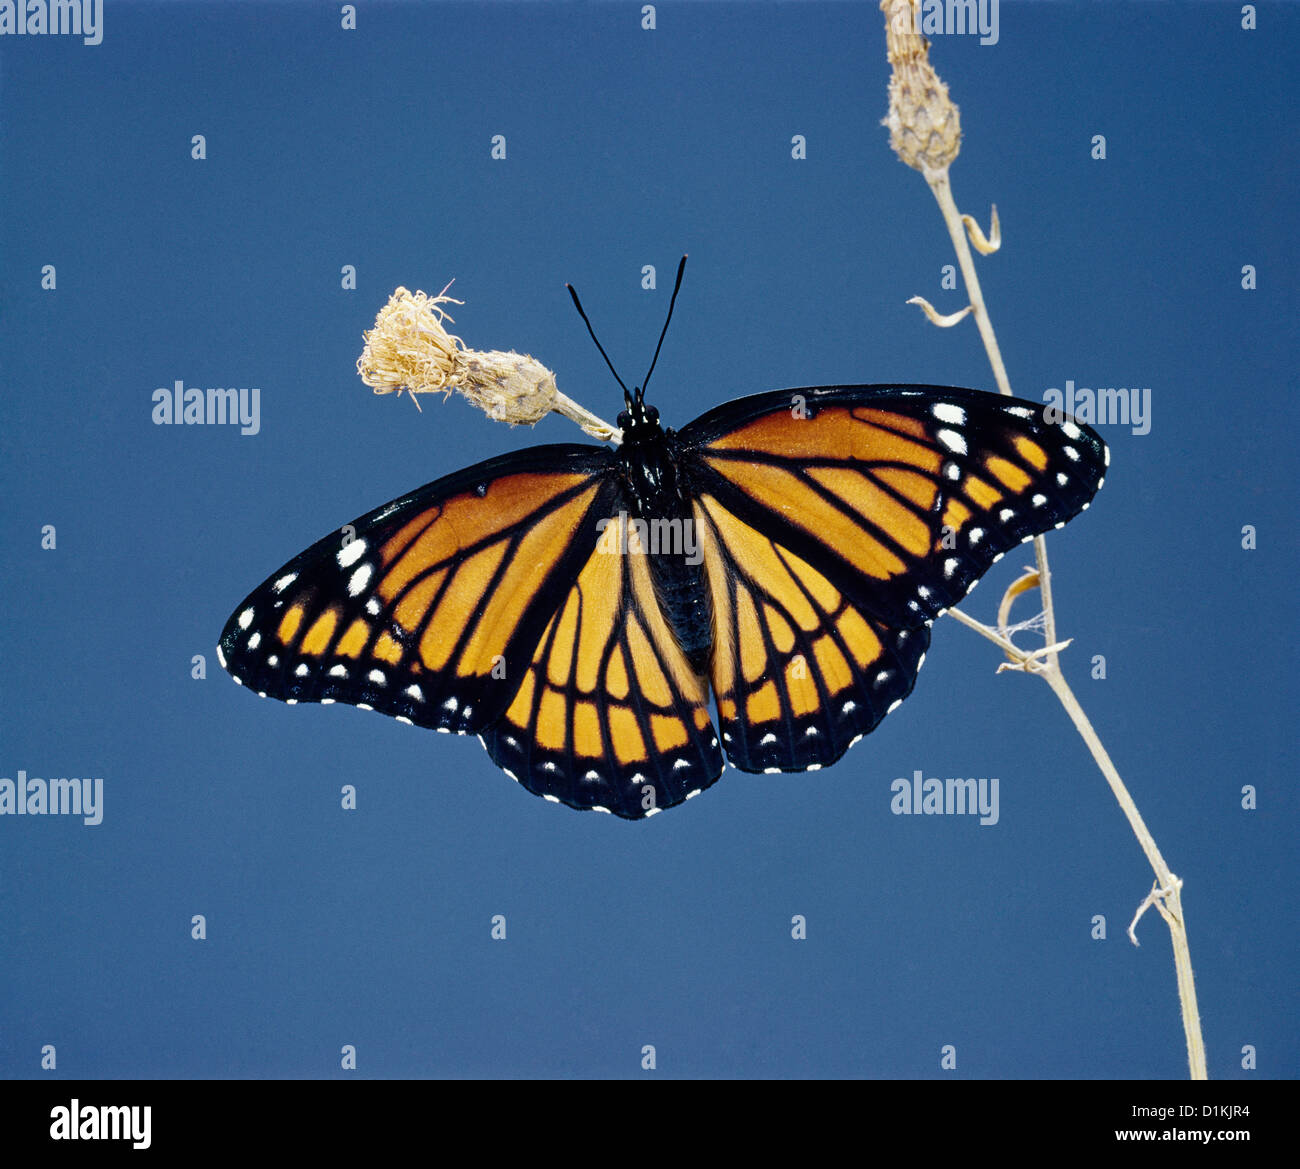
577	607
654	477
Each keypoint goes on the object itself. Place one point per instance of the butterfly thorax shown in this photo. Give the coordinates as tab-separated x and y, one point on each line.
656	497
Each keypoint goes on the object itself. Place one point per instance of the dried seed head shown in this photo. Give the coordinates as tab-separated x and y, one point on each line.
410	349
924	124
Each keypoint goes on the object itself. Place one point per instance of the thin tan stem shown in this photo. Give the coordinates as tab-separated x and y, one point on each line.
1169	885
1168	892
942	188
925	133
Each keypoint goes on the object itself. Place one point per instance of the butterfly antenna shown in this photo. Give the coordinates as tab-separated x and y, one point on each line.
681	268
578	305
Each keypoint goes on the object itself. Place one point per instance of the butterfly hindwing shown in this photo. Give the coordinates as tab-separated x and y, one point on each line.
429	609
800	671
838	522
609	715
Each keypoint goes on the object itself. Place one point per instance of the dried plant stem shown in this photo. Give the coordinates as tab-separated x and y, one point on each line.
942	188
925	132
1167	896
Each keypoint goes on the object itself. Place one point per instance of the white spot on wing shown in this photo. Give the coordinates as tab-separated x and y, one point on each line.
351	552
953	441
246	619
284	582
949	412
359	580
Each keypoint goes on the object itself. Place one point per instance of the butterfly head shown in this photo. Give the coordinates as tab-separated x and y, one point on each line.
637	419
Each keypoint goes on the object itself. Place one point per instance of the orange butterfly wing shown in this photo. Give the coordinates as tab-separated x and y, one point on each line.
431	609
837	523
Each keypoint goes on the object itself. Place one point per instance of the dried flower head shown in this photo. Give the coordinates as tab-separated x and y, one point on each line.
409	349
924	123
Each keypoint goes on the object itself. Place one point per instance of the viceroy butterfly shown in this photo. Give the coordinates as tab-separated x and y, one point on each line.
823	529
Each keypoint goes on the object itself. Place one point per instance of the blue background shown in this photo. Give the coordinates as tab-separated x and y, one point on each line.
627	147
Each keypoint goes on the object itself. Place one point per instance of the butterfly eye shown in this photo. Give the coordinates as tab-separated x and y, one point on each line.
652	415
624	420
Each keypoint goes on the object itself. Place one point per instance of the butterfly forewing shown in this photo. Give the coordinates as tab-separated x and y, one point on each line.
428	609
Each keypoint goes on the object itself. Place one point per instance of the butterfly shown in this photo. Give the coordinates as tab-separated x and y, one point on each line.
574	605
